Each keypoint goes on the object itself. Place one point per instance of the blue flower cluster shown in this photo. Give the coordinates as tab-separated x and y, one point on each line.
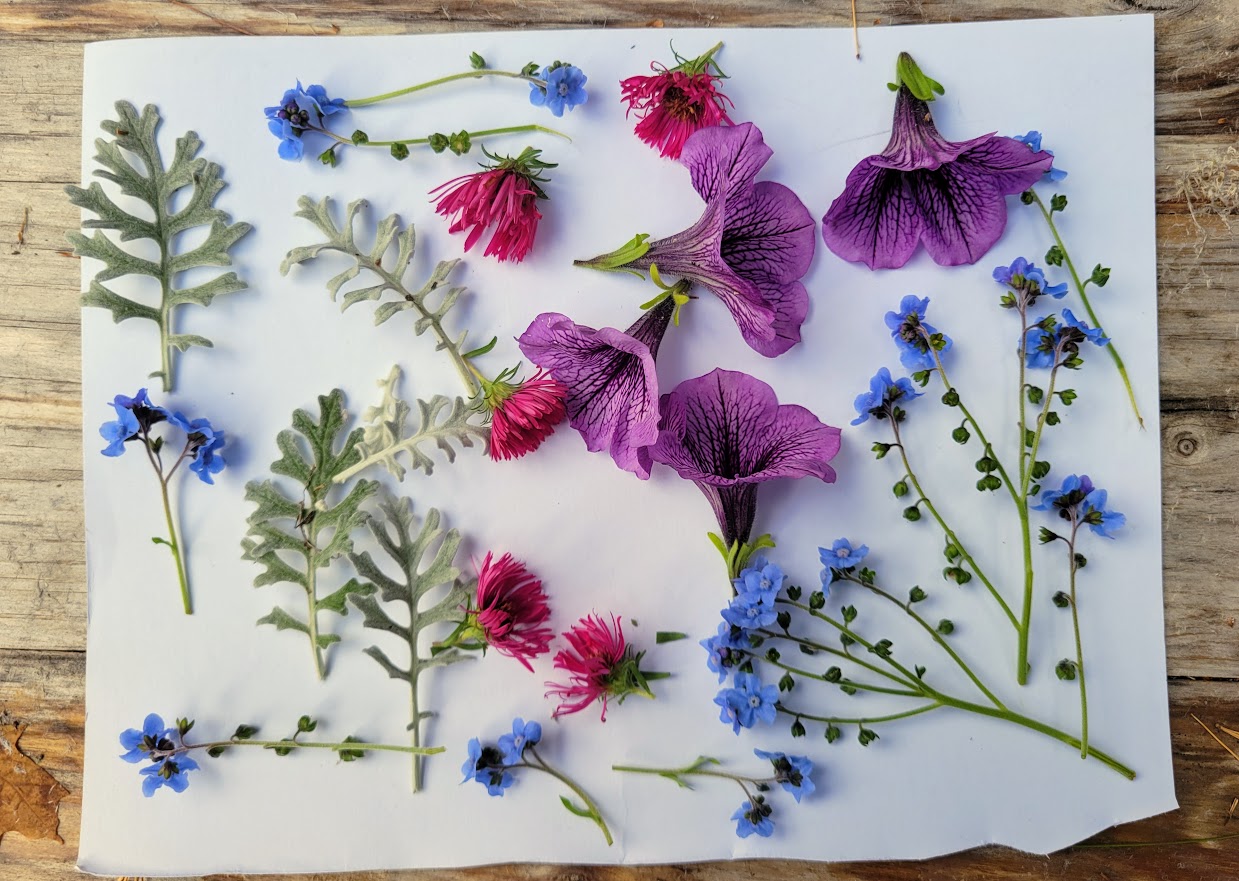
753	607
753	817
1033	141
747	702
1080	502
564	89
1028	279
134	418
1042	346
882	395
910	331
301	110
491	765
162	747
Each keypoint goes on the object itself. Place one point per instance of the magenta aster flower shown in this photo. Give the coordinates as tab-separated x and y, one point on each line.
750	248
523	413
923	188
728	433
674	103
600	664
612	386
512	610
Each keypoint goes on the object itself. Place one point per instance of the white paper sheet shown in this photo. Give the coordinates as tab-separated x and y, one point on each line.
600	539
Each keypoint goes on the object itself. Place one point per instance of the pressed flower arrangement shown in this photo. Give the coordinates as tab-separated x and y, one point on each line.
344	520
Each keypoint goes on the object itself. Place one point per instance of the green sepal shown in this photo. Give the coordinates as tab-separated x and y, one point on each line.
476	61
908	73
665	636
618	260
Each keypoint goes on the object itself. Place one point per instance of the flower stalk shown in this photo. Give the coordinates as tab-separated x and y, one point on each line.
443	80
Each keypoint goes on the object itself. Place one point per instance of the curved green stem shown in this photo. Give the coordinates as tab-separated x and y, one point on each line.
861	662
950	533
352	745
860	640
173	543
1075	625
867	720
469	74
1021	659
1088	307
937	637
595	814
863	686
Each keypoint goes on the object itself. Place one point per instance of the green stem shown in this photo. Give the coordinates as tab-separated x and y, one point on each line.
936	636
863	686
1075	624
860	640
868	720
1088	307
469	74
173	542
311	595
483	133
1021	660
874	668
1040	727
950	533
415	728
976	426
358	746
596	814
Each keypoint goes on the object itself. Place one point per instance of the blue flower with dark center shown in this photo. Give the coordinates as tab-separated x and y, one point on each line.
727	649
204	444
748	702
153	736
882	396
1040	348
172	772
1092	334
564	89
790	772
1028	280
1078	501
485	764
842	555
753	817
299	111
1033	141
133	416
524	734
911	334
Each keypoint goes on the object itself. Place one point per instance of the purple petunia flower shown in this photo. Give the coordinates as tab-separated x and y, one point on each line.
727	432
922	188
906	330
752	245
610	377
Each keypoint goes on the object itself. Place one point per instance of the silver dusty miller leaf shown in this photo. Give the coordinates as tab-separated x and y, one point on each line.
156	185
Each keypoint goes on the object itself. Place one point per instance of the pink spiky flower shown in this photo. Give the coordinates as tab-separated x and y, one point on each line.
600	665
523	413
512	610
503	196
674	103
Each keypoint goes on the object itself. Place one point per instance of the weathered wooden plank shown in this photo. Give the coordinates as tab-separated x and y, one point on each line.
45	689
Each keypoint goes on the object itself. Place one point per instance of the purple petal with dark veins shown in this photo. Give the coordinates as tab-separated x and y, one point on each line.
924	188
724	158
768	231
735	509
790	302
611	380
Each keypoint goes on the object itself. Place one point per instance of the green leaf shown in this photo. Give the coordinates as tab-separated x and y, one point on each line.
476	61
576	809
443	423
294	536
663	636
159	186
427	583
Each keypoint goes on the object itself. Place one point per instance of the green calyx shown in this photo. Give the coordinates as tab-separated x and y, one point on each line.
527	164
496	391
627	677
677	292
618	260
703	63
908	73
737	556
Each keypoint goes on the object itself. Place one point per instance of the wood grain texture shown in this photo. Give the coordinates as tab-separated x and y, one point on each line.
42	558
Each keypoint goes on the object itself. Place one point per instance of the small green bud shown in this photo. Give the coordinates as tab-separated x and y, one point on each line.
1065	670
881	449
400	151
282	750
916	595
866	575
157	445
1030	437
986	464
530	69
1075	362
832	733
921	378
912	513
351	755
946	627
1101	275
920	671
793	592
1061	600
476	61
1081	560
1027	197
848	689
845	640
882	648
784	619
900	489
960	435
991	482
1051	418
951	552
772	655
817	600
1058	203
1067	396
1040	469
805	650
459	143
866	736
849	614
244	732
1035	394
834	674
787	683
797	729
1054	256
216	751
437	142
360	137
951	398
306	724
183	726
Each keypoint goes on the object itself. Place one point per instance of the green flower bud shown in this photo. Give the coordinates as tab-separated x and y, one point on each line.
900	489
1061	600
797	729
916	595
832	733
437	142
817	600
400	151
951	398
866	736
960	435
834	674
1065	670
360	137
946	627
912	513
787	683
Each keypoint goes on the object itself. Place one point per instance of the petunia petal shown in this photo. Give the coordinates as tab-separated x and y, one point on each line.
768	232
962	213
722	158
875	220
1010	165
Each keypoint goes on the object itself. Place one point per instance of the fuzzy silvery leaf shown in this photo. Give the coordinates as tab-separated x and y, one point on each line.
427	584
133	162
441	422
293	537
